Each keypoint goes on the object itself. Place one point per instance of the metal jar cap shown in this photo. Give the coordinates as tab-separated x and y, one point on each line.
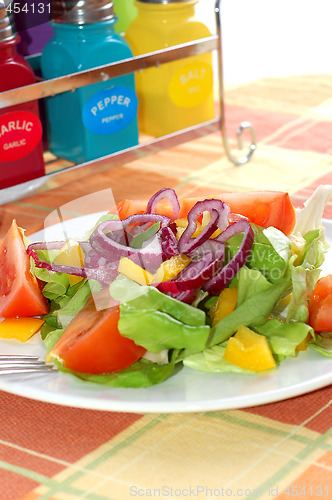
82	11
7	25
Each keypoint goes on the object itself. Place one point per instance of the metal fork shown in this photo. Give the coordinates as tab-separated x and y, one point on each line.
16	363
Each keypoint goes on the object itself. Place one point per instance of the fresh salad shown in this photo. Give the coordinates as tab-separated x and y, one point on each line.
227	284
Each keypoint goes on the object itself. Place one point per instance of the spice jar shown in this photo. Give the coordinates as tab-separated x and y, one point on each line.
178	94
101	118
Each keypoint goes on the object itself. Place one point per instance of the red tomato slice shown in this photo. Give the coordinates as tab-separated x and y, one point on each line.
92	343
320	305
264	208
20	294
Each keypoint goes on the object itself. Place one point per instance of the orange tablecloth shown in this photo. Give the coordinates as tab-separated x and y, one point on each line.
277	450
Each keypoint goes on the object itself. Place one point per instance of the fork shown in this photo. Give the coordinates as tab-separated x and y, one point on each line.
20	363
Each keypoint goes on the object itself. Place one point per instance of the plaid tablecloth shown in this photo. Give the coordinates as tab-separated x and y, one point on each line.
279	450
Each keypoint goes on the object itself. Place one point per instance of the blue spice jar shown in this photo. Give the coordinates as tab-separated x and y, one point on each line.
101	118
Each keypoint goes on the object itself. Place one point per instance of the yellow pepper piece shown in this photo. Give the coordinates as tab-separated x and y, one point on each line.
225	304
205	220
249	350
181	225
171	268
71	254
134	271
20	329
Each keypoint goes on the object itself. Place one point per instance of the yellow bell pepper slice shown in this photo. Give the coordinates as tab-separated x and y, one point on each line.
205	220
225	304
249	350
21	329
171	268
71	254
134	272
181	225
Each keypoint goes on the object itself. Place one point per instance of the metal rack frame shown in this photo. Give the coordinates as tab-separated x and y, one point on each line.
74	81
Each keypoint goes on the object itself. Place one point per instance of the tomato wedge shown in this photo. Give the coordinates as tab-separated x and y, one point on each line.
320	305
93	344
264	208
20	294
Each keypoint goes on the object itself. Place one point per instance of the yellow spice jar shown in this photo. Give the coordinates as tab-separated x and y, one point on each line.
179	94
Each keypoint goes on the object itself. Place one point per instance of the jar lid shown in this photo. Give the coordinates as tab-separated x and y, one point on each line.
7	25
82	11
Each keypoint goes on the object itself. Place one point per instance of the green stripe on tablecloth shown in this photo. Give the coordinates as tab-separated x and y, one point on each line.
310	445
43	480
264	428
30	474
66	487
34	206
286	469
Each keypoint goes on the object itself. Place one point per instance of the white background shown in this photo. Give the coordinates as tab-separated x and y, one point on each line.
263	38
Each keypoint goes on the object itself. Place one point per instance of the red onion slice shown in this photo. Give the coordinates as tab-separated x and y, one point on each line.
197	272
169	243
165	193
219	212
225	275
104	275
187	297
109	248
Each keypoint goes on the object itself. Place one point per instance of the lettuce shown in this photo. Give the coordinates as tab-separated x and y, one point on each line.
133	296
305	274
284	338
211	361
256	304
143	373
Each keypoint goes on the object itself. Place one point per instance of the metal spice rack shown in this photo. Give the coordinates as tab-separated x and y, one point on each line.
74	81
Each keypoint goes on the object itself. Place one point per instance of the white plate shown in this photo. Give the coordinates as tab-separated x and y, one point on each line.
187	391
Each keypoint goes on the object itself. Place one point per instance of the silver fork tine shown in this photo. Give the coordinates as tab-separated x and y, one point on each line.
18	357
26	369
23	364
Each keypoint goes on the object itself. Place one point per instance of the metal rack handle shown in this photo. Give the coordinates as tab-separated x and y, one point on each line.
244	126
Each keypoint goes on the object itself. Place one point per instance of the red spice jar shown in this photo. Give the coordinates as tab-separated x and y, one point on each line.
21	153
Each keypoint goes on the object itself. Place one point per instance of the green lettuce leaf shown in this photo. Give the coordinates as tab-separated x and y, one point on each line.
51	338
322	344
140	238
133	296
283	338
72	304
143	373
306	274
211	361
269	254
156	330
252	311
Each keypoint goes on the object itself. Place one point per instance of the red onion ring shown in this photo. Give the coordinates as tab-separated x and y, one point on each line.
225	275
164	194
219	212
197	272
109	248
169	243
102	274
